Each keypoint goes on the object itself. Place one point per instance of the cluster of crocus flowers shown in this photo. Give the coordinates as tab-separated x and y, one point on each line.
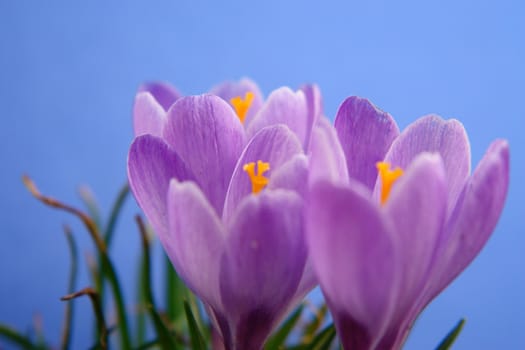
410	219
222	179
256	200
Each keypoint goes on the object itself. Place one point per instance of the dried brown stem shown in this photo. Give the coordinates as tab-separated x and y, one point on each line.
97	308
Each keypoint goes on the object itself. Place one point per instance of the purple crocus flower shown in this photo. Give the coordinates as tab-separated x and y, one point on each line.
384	246
300	110
151	104
226	201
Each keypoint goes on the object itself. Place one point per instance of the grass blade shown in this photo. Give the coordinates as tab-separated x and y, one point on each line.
451	336
316	322
16	338
176	292
166	340
101	267
91	204
279	338
115	213
172	309
197	340
68	314
141	302
323	340
97	308
101	247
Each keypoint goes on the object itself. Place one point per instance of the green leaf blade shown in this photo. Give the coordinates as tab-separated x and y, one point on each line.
451	337
279	338
13	337
197	340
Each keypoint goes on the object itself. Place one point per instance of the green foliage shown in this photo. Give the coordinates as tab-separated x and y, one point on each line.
451	337
197	340
69	309
178	323
321	341
15	338
279	338
166	341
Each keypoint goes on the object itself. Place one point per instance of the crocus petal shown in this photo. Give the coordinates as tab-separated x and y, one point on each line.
353	252
307	283
365	133
292	175
469	227
327	159
476	215
283	106
148	115
151	165
209	137
417	208
433	134
275	145
314	102
231	89
195	241
164	93
265	258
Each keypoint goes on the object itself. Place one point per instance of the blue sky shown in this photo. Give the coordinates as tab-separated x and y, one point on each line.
69	71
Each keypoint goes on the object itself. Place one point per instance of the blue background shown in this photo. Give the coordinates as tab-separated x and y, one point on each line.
69	71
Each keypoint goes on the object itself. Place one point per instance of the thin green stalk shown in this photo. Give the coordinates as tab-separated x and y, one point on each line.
451	336
141	302
175	292
322	341
91	204
316	322
200	318
197	340
148	345
115	213
102	273
324	338
166	340
279	338
68	314
172	309
117	293
101	246
14	337
97	308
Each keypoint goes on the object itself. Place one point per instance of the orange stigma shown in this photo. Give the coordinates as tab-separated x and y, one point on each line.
259	181
388	177
241	105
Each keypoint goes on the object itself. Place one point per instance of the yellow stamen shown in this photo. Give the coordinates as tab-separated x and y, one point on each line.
259	181
388	177
241	105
